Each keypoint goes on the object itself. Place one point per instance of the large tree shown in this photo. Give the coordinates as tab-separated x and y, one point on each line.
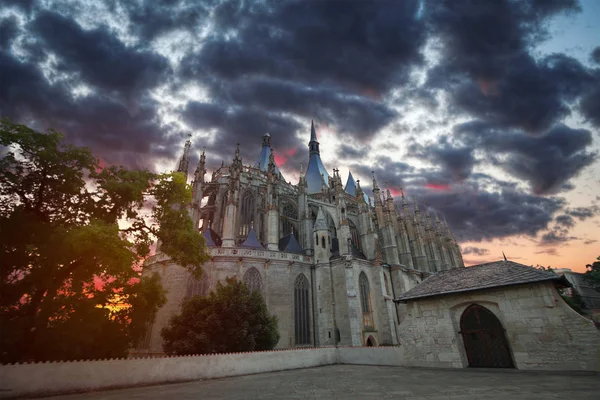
231	319
72	238
592	275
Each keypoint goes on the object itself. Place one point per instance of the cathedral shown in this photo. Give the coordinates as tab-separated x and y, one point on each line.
328	258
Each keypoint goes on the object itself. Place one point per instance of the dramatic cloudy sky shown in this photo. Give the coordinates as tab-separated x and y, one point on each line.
487	111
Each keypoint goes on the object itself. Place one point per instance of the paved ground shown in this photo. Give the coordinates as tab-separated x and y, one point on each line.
369	382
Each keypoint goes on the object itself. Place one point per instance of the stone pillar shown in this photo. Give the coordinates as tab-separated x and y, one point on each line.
229	225
390	249
273	229
354	310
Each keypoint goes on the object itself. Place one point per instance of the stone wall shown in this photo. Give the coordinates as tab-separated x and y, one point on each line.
543	332
65	377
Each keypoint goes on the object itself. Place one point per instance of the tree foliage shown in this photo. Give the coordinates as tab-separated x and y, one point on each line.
232	319
70	233
592	275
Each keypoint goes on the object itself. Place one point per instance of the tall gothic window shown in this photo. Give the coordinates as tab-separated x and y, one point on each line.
365	300
197	287
261	230
223	212
354	234
252	280
246	213
301	315
289	217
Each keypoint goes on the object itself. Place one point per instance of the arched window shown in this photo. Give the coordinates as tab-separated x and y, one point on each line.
261	227
354	235
301	314
222	215
365	300
317	239
289	219
197	287
252	280
323	241
246	213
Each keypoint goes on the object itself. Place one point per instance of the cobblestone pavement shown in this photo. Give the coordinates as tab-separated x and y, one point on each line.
371	382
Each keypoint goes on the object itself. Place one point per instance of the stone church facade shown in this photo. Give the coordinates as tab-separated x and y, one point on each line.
328	259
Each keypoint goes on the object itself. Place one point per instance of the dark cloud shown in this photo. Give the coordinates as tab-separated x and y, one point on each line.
487	67
531	95
25	5
476	215
583	213
482	39
347	151
556	237
595	55
478	251
350	114
590	241
386	170
546	162
590	104
565	220
311	58
114	132
365	45
245	126
477	209
149	19
455	161
8	31
98	57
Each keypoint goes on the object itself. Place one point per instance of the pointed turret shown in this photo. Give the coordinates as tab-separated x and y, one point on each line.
265	154
184	162
375	186
350	185
315	168
197	189
289	244
251	241
211	238
322	238
320	222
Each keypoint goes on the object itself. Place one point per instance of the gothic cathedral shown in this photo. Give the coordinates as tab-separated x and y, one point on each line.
327	259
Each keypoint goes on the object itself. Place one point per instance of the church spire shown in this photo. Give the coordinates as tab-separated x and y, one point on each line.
387	192
184	162
375	187
316	174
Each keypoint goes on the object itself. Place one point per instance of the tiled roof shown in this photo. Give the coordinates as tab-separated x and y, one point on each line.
477	277
211	238
251	241
289	244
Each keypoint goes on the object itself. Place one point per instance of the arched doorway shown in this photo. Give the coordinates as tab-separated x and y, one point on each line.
484	338
370	341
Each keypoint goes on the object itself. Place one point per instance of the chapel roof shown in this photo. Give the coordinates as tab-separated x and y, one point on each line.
211	238
350	185
482	276
251	241
265	153
316	174
289	244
